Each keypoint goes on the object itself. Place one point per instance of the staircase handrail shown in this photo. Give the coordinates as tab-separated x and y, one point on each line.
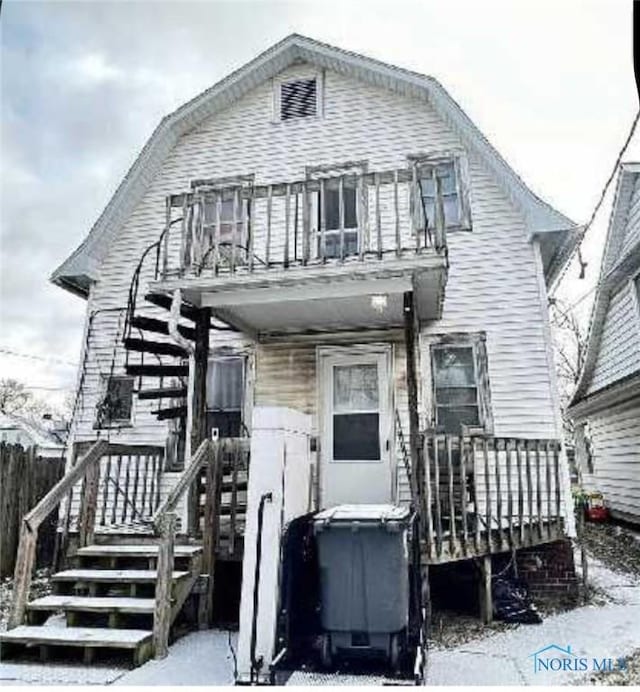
32	520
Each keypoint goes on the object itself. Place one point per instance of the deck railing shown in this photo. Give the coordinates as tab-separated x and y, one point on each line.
119	493
243	227
485	495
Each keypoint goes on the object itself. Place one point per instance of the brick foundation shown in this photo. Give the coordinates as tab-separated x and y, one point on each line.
549	571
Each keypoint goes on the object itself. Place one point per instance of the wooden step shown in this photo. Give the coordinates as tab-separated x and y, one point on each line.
94	604
85	637
113	576
138	550
163	393
158	370
170	412
151	324
160	348
164	301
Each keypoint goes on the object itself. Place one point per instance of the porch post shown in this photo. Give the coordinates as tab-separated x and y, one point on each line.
198	431
410	339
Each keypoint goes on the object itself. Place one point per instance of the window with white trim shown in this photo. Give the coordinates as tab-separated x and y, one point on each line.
442	188
460	385
115	407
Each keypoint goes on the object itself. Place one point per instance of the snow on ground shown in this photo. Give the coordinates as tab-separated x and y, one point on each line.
600	631
200	658
609	629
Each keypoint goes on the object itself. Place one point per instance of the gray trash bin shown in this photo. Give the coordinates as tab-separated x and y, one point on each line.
364	580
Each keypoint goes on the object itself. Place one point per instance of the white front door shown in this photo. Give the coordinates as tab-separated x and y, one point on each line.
356	426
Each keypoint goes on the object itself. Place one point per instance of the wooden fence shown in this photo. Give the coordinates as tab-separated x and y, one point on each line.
24	479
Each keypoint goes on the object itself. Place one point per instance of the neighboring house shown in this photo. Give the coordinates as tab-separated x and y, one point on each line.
323	259
606	405
16	430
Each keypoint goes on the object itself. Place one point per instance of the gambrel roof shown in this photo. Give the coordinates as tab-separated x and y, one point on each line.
620	260
77	271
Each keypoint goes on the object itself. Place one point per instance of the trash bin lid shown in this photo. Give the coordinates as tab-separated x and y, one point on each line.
370	513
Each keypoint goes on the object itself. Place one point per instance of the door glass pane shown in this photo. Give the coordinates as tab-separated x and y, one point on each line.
225	384
355	388
356	437
454	367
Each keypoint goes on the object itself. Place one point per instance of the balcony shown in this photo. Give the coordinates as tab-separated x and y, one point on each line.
328	253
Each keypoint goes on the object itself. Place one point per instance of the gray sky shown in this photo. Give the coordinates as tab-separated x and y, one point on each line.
84	84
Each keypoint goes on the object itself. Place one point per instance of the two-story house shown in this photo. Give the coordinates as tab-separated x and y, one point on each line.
322	267
606	405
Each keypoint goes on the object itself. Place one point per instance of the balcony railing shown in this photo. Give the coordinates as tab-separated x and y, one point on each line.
237	227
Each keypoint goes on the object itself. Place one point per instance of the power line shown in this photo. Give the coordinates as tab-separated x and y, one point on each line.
33	356
587	226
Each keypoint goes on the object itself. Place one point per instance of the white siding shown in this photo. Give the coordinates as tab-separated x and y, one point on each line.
632	228
615	438
493	285
619	349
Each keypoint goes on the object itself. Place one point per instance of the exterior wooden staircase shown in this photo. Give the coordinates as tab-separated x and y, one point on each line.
108	601
126	589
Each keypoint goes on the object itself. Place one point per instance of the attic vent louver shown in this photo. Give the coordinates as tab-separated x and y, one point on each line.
298	99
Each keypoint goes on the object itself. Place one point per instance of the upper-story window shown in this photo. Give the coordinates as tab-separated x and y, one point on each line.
298	99
332	213
443	190
460	388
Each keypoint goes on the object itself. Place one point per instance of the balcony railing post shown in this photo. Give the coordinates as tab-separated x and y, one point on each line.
165	246
287	224
415	206
360	220
341	216
439	215
267	254
306	225
396	212
237	218
378	217
248	232
216	232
